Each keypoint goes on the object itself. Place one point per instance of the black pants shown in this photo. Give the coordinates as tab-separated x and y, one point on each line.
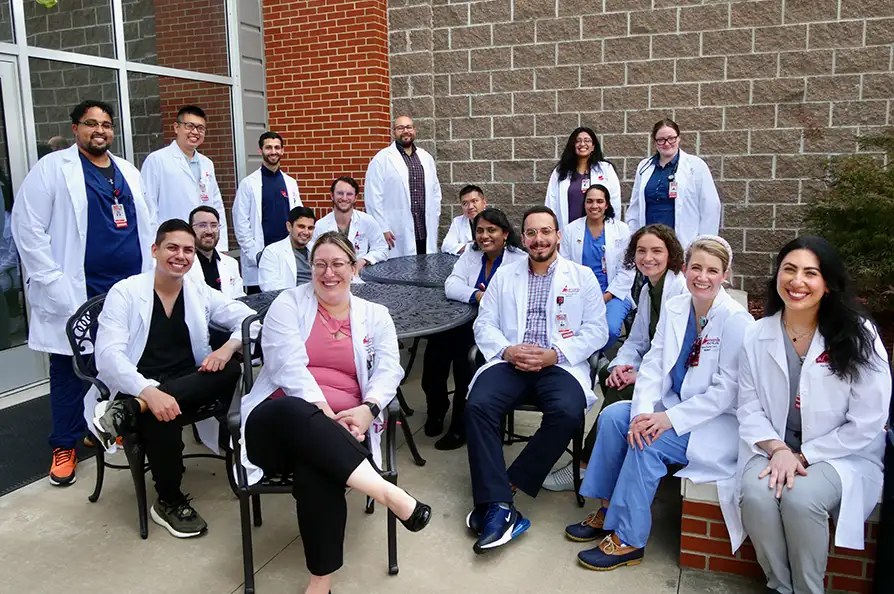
162	440
443	350
421	250
292	435
252	290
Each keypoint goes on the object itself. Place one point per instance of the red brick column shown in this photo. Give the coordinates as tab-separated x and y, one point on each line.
328	88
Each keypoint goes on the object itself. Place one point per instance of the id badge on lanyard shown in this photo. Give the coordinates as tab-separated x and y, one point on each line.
203	192
585	184
118	215
672	190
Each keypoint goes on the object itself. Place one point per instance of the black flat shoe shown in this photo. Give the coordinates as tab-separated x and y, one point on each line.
419	518
434	426
450	441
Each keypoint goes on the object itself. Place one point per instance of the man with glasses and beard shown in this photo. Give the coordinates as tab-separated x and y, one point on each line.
178	178
218	271
262	205
540	320
81	224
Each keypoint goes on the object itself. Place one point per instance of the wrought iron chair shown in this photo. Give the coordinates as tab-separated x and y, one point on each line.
81	332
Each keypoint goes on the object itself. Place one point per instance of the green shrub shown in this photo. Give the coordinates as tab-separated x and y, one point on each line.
857	216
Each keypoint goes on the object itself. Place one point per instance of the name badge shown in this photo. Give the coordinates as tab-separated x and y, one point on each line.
604	268
672	190
119	216
562	321
585	184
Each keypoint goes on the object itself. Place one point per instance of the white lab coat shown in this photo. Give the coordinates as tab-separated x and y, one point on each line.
617	236
460	285
502	317
706	406
366	235
124	329
287	327
697	206
387	188
278	269
172	191
638	342
459	235
601	173
843	421
49	224
230	281
247	221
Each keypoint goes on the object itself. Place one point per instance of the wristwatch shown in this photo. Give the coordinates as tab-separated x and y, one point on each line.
373	407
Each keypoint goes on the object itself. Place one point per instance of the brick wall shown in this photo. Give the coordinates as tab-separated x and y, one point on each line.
327	88
763	91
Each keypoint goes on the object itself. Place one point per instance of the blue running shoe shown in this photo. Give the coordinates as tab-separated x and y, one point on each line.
590	529
475	519
610	554
502	523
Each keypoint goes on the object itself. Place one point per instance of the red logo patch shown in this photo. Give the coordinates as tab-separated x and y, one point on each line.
823	358
284	194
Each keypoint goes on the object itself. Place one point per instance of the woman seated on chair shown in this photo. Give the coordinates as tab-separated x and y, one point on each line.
655	251
683	412
814	389
496	243
599	241
331	366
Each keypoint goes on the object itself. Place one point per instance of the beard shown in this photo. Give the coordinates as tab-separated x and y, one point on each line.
543	258
406	141
97	151
272	160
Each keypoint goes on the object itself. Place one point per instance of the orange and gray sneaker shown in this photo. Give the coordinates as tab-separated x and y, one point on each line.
62	472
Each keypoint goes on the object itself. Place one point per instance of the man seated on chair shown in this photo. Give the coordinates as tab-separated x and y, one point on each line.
286	263
540	320
152	352
218	271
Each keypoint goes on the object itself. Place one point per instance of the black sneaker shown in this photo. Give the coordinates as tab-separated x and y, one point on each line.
434	426
111	419
180	519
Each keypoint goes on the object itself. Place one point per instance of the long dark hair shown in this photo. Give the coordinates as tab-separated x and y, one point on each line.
841	323
609	209
498	218
568	160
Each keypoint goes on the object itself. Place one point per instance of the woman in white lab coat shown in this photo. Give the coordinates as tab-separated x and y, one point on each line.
674	188
814	390
599	241
331	365
581	165
683	412
496	243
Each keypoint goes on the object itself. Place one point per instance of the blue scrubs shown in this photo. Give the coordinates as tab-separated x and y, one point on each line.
616	310
485	281
111	254
628	476
274	206
659	206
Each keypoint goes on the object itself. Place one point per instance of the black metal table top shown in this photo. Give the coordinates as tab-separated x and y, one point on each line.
416	311
427	270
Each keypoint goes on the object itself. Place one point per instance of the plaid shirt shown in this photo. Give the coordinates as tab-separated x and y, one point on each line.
538	299
417	190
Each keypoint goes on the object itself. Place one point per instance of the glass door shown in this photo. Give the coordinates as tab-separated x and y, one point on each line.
19	366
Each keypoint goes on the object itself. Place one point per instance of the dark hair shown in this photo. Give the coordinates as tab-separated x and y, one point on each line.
537	210
662	123
268	135
568	160
841	322
346	179
468	189
81	108
301	212
498	218
171	226
609	209
191	110
204	208
667	236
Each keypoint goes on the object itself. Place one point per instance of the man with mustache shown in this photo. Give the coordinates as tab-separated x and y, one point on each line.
81	224
218	271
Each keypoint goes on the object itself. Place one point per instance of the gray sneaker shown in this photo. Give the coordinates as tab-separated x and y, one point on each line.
180	519
111	419
562	479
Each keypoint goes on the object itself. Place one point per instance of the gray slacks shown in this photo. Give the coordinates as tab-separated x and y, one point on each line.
791	534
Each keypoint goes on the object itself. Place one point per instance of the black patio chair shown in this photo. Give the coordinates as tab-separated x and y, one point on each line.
81	332
283	483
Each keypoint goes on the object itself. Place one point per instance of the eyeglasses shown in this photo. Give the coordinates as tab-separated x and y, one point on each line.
93	124
190	127
337	266
668	140
207	226
405	128
545	231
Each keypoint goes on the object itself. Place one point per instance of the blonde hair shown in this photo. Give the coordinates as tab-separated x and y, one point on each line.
339	241
713	245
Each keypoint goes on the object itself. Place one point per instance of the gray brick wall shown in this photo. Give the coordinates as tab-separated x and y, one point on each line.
763	91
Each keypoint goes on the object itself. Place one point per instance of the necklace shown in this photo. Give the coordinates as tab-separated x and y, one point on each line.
796	336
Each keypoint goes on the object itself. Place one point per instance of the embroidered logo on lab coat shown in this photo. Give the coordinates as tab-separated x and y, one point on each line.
284	193
570	290
823	359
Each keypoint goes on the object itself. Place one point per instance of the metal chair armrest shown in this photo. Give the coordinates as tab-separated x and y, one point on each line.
891	437
234	418
594	360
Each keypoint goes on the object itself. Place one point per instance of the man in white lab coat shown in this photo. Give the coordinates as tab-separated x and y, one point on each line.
403	193
152	351
218	271
286	263
81	224
359	228
262	205
472	201
178	178
540	320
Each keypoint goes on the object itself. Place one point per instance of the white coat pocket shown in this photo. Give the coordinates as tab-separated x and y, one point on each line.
55	298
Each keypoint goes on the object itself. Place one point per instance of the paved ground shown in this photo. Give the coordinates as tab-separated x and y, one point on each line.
53	539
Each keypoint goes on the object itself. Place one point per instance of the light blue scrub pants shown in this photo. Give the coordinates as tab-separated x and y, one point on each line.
616	311
627	476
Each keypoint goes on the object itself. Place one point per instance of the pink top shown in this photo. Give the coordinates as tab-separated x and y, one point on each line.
331	361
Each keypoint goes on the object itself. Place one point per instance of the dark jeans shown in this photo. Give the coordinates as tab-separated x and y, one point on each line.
66	402
500	389
162	440
609	396
443	350
420	247
252	290
292	435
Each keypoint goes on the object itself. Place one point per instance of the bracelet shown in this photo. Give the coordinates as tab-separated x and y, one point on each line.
803	460
778	449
